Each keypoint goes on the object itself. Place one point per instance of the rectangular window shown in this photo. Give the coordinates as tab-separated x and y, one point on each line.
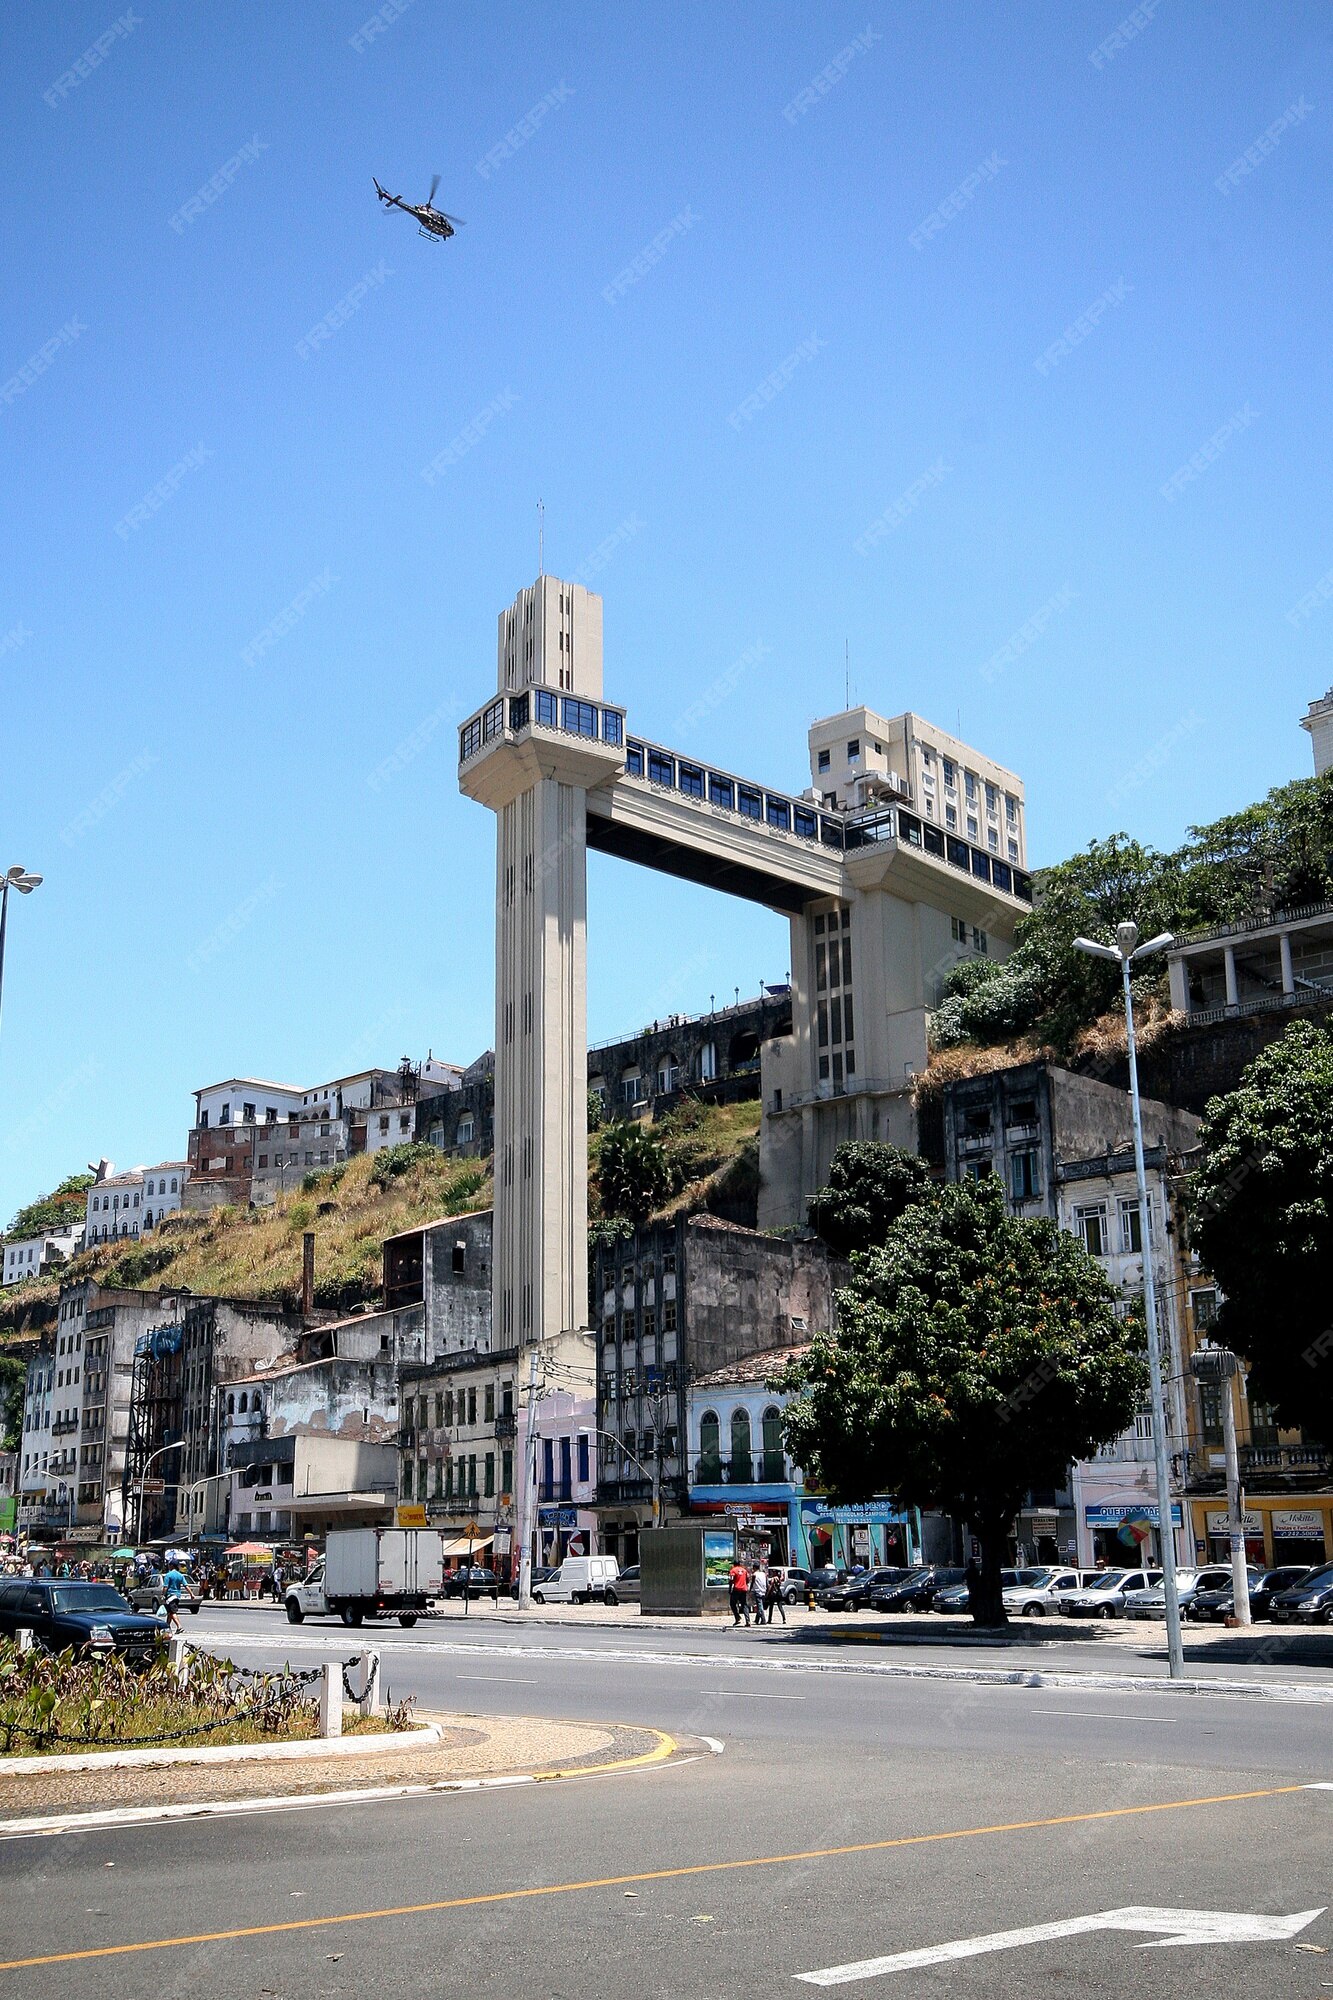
692	780
778	813
951	816
544	703
490	1403
634	760
950	775
721	792
1010	810
613	728
853	748
970	787
805	824
749	802
822	1017
583	1459
1025	1175
992	799
1092	1228
1131	1234
824	760
821	965
489	1487
661	769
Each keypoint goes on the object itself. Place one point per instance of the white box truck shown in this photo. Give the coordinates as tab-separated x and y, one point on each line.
372	1573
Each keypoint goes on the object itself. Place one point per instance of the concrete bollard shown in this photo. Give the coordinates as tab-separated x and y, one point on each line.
369	1664
178	1656
23	1639
331	1699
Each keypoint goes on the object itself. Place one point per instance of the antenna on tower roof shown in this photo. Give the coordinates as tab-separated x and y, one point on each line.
541	538
847	673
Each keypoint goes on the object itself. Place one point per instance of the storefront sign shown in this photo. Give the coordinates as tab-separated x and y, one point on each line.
1219	1522
1297	1525
1112	1516
815	1513
410	1517
558	1517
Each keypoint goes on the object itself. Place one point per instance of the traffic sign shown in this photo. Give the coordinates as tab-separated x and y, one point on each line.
471	1531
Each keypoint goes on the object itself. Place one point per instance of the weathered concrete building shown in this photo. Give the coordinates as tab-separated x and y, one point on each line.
676	1300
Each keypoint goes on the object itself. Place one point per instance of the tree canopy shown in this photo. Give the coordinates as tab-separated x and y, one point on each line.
634	1173
1261	1219
57	1210
1274	855
869	1185
975	1356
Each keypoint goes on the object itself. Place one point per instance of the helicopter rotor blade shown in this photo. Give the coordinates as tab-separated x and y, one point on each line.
431	196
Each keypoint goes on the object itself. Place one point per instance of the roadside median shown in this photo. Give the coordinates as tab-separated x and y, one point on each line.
450	1752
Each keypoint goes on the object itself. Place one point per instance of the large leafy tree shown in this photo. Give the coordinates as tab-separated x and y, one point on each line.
634	1172
975	1357
869	1186
1261	1219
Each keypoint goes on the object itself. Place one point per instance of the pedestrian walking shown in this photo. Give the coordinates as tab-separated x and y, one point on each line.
759	1591
773	1597
740	1592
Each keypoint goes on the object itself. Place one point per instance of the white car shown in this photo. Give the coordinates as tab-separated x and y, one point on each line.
1109	1595
1041	1590
579	1580
306	1598
1152	1603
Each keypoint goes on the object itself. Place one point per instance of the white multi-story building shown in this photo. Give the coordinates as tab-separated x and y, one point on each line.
860	760
163	1186
31	1256
115	1207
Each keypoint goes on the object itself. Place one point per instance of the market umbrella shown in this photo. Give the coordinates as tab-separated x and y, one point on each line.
121	1556
249	1549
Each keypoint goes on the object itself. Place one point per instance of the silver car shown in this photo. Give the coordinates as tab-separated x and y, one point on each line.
1108	1596
1039	1591
1152	1603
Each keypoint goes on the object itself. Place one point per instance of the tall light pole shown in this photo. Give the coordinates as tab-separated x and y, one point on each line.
14	878
655	1476
1219	1367
1124	952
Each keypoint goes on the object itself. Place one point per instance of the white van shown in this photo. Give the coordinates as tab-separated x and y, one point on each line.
580	1579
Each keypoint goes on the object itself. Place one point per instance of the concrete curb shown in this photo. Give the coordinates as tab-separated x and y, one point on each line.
422	1735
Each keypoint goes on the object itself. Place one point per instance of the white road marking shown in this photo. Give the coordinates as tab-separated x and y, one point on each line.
754	1694
1180	1926
1102	1714
515	1680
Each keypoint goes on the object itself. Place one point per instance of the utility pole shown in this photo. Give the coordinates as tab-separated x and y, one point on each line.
1219	1365
528	1511
1124	951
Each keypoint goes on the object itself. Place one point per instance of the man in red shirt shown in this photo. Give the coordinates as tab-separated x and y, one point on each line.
740	1592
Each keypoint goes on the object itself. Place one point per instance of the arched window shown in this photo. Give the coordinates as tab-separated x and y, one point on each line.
231	1406
245	1402
774	1468
741	1469
710	1449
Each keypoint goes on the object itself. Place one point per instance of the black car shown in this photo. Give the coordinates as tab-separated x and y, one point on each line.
1218	1602
911	1590
826	1578
473	1581
1310	1601
856	1592
90	1617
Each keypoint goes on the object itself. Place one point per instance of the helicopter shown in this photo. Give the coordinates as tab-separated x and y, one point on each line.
434	222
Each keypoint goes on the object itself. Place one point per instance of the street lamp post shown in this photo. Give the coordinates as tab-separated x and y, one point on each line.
1124	952
14	878
654	1477
161	1452
1219	1366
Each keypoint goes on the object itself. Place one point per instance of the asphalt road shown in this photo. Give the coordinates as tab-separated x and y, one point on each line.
849	1817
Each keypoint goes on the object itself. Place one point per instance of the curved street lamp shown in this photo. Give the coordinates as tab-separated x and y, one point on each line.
18	878
1124	952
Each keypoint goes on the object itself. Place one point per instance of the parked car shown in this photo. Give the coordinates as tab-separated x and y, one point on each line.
1039	1590
541	1573
579	1580
152	1595
1218	1601
1106	1596
1152	1603
910	1590
855	1593
90	1617
473	1580
627	1584
825	1578
1310	1601
793	1584
954	1598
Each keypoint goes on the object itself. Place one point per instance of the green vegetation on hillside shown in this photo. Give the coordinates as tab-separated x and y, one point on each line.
54	1211
1275	855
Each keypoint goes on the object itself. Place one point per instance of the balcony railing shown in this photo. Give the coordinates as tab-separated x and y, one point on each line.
1297	1462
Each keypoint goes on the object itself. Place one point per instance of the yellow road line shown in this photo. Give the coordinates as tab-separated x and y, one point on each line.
666	1747
646	1875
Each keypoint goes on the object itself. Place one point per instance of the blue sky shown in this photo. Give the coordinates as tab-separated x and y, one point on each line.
233	883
